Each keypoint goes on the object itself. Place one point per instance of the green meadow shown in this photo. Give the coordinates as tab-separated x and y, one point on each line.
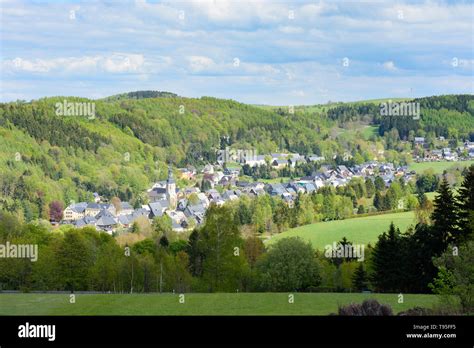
438	167
361	230
198	304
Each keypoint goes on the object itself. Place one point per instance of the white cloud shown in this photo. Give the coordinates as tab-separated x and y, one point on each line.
275	52
288	29
390	65
123	63
115	63
200	63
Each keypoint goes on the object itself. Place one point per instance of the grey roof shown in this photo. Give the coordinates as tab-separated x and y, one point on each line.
164	203
105	218
87	220
125	219
157	191
197	209
125	205
98	206
79	207
215	195
156	209
276	189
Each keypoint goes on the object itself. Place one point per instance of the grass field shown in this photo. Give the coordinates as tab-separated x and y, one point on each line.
357	230
438	167
198	304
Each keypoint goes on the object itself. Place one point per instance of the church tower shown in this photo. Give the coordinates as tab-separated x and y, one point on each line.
171	190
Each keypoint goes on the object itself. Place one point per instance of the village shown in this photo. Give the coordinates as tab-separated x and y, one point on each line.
186	207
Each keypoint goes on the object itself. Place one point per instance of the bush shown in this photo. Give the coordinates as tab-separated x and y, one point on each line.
369	307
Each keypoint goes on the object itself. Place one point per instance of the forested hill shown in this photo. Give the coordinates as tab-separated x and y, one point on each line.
126	145
141	95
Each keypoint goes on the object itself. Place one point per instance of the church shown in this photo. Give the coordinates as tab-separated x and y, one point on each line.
171	195
165	191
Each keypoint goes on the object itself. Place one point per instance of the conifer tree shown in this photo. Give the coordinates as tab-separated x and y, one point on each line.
465	205
360	279
389	261
445	213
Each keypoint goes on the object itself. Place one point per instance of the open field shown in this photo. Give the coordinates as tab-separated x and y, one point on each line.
438	167
361	230
198	304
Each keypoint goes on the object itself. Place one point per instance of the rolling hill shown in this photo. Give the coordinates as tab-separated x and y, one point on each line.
363	230
133	136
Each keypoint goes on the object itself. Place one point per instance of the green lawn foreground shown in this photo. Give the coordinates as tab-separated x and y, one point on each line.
363	230
198	303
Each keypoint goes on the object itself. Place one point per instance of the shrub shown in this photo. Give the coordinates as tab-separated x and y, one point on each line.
369	307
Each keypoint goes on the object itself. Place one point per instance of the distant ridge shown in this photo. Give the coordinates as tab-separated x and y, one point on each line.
141	95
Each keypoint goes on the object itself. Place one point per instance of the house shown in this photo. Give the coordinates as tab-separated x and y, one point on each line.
106	221
227	180
309	188
229	195
125	209
419	140
196	211
469	145
203	199
275	189
242	184
213	195
212	178
187	173
315	158
96	197
278	156
75	211
157	194
157	208
92	209
255	161
343	171
182	203
208	169
254	191
86	221
436	154
279	163
125	220
297	161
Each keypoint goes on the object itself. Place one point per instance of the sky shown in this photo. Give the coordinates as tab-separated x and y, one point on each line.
258	52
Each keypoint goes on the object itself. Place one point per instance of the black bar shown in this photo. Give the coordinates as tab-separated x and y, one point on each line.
225	330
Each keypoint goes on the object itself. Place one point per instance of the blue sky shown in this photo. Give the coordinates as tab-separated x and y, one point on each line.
262	52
